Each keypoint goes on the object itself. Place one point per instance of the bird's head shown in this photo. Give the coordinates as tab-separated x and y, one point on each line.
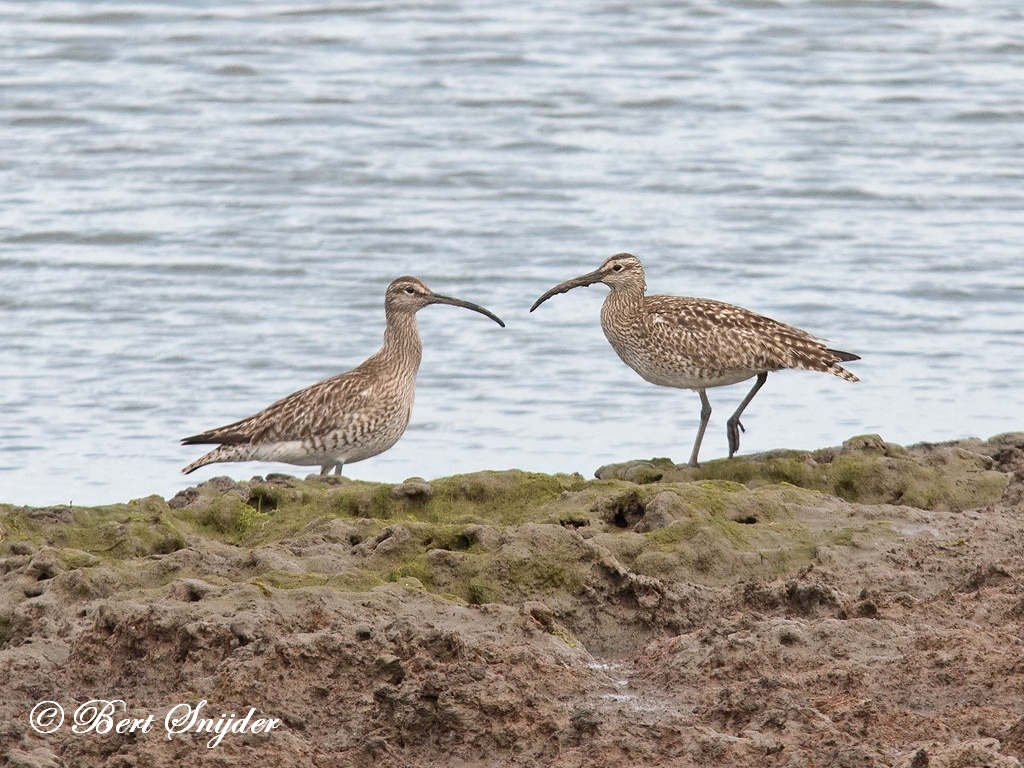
410	294
622	270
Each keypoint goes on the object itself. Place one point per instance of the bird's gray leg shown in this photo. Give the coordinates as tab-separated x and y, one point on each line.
337	468
733	425
705	416
325	469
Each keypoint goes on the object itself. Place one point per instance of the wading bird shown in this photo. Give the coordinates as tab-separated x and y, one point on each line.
678	341
348	417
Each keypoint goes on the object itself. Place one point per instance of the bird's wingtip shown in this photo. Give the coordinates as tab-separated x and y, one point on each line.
844	357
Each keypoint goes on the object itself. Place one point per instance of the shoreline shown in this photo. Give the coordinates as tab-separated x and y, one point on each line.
855	603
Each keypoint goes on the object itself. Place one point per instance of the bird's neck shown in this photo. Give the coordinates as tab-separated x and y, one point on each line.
624	300
402	341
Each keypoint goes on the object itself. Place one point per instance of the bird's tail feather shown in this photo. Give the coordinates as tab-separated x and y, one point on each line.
842	373
220	453
842	357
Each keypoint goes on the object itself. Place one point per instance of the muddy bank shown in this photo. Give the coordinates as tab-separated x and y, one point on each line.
858	605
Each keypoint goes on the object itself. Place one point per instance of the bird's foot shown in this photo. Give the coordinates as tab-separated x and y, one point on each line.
734	428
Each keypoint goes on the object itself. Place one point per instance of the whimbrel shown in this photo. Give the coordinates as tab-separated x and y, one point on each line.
678	341
348	417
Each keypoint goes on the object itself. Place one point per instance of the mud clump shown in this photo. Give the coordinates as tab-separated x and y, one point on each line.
858	605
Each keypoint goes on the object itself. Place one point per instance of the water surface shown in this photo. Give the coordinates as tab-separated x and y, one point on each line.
202	203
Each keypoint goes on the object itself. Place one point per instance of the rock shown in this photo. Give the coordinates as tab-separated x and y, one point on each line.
190	590
485	537
21	548
52	514
40	757
639	472
415	489
540	612
661	511
183	499
45	564
980	753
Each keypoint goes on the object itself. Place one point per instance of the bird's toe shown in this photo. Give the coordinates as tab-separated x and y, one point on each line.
734	429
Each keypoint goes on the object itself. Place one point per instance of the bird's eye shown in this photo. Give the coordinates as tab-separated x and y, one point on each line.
617	268
409	289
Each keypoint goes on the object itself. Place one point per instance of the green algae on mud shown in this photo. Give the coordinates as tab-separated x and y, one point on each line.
865	469
546	543
508	536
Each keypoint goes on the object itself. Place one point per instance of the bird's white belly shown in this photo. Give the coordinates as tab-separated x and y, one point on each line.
696	380
301	453
293	452
335	448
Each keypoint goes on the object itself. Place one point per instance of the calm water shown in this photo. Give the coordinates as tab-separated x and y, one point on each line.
202	202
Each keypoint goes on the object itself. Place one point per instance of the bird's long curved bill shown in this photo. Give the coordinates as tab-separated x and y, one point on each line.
439	299
577	282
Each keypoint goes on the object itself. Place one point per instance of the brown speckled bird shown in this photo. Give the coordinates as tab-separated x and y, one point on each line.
348	417
677	341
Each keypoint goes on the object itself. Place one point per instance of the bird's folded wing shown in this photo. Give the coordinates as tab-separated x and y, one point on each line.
715	329
321	409
710	315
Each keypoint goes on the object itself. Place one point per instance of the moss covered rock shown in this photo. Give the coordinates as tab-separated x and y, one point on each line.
635	539
479	538
865	469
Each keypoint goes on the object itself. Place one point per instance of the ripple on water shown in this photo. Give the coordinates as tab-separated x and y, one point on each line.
202	207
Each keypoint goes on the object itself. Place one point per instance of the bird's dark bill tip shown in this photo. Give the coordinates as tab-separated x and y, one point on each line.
545	297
